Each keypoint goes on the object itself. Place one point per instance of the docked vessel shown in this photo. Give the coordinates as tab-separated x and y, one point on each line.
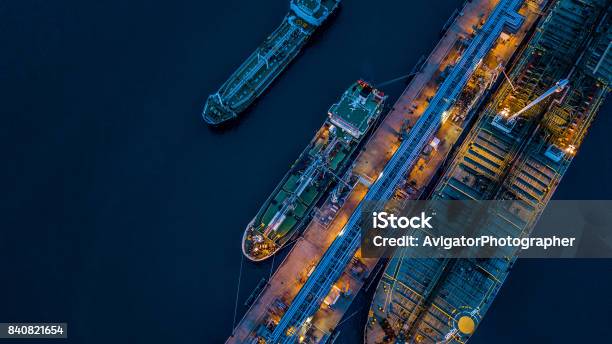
321	164
268	61
520	161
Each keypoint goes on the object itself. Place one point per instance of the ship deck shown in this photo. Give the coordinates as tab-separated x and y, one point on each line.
254	74
423	299
258	71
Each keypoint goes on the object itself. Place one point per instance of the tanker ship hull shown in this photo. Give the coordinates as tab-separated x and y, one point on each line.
262	67
321	165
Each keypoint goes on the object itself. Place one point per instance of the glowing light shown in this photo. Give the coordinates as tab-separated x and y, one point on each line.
444	116
466	325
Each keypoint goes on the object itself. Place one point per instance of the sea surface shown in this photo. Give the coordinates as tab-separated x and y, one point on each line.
121	213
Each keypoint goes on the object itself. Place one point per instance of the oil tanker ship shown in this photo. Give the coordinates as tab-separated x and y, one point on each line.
518	152
268	61
322	163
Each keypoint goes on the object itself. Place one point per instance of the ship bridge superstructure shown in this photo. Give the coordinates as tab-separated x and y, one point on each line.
504	17
314	12
353	112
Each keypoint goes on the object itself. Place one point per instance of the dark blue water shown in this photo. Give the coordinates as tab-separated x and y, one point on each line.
122	214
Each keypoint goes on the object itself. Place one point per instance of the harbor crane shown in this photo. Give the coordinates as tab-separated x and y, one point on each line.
504	121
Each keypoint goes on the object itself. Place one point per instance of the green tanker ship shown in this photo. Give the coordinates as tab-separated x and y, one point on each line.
322	162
